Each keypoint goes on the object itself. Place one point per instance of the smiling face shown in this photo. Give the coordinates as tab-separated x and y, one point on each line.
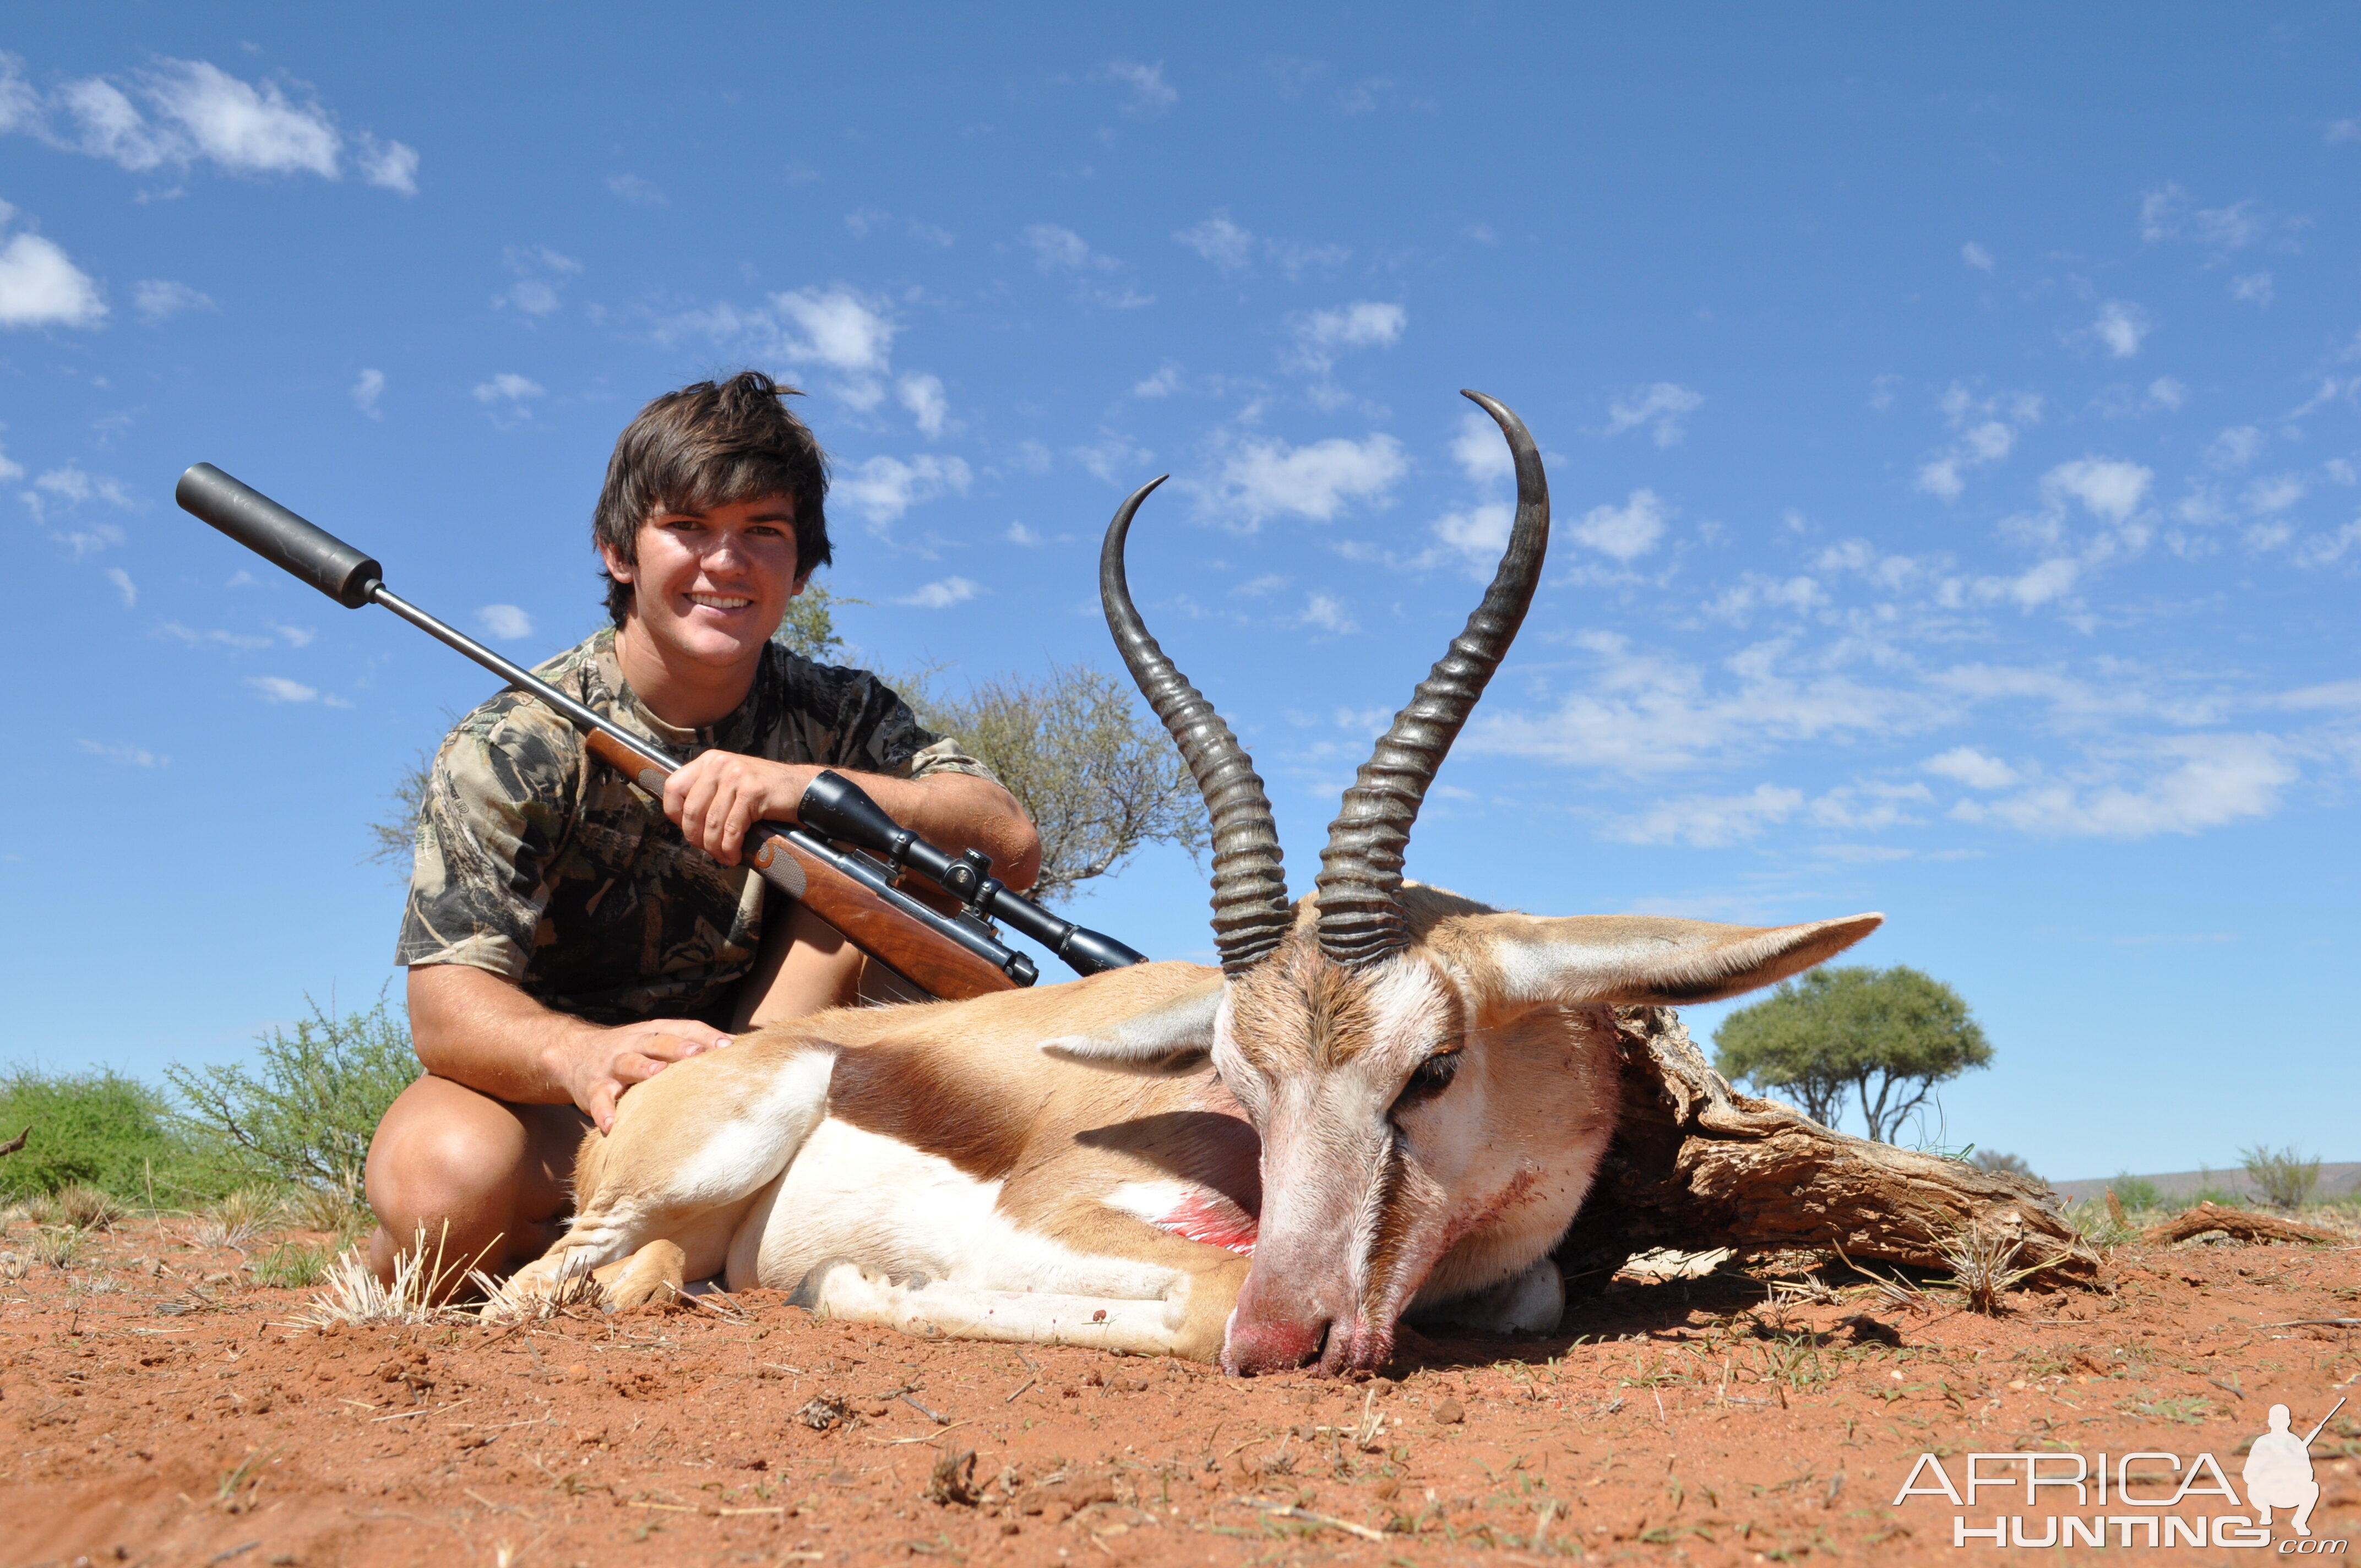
710	587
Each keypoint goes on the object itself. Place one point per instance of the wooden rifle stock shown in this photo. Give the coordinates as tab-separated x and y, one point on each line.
817	877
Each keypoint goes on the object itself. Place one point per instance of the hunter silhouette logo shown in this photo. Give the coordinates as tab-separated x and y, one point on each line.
2279	1470
2161	1498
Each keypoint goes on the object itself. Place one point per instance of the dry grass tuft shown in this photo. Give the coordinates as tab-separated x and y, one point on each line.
1985	1266
355	1294
237	1218
86	1208
504	1303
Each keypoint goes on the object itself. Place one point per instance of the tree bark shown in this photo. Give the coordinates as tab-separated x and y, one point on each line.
1697	1165
2238	1223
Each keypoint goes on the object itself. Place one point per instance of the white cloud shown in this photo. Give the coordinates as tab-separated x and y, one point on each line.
923	396
883	489
1163	384
1985	433
2255	288
278	688
2328	549
2106	487
1973	768
1056	249
156	299
1220	241
639	192
40	286
366	390
1326	612
1114	458
195	112
1478	450
1149	94
505	621
942	595
1709	821
1976	256
2037	585
1268	478
124	585
1665	406
507	387
2121	327
2203	780
1321	335
541	274
2168	393
135	756
1478	535
839	330
2169	212
2340	130
1018	535
1626	532
390	166
2234	447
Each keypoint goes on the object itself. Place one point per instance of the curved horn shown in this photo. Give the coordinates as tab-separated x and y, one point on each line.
1250	908
1360	870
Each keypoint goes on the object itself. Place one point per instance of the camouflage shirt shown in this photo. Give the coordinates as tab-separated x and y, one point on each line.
543	865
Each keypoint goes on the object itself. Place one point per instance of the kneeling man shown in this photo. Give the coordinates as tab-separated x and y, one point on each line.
568	935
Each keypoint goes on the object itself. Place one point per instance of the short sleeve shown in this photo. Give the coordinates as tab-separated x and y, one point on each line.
494	811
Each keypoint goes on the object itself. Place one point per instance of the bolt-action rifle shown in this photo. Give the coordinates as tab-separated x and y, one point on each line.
844	858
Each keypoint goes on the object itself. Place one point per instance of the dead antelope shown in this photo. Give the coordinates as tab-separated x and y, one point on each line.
1388	1100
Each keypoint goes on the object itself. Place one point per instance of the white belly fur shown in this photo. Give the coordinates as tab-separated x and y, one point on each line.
856	1194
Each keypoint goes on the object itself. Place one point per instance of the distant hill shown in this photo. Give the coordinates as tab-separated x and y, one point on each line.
2335	1181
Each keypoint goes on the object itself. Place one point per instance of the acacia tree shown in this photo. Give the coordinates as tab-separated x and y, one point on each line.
1887	1035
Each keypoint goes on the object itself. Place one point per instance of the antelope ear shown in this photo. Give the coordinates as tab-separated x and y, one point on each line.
1174	1036
1653	960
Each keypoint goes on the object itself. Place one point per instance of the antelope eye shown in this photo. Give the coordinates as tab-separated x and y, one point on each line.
1431	1077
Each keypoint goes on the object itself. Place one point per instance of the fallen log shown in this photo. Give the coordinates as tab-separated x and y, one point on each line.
2242	1223
1697	1165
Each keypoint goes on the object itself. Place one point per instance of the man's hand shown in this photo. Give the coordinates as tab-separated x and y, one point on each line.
477	1028
716	796
599	1064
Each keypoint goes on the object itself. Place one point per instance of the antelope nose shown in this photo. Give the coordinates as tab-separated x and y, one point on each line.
1256	1344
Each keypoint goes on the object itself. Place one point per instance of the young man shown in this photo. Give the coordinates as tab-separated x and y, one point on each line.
568	935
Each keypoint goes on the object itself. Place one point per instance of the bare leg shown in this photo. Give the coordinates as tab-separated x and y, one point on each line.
496	1173
806	965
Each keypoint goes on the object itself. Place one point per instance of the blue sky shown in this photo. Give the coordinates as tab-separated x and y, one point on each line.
1952	424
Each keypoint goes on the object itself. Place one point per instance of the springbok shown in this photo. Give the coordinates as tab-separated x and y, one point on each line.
1388	1100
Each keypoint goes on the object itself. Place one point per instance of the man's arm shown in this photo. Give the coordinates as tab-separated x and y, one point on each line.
720	794
476	1028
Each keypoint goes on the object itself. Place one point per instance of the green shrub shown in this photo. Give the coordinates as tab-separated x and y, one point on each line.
97	1129
2136	1192
2285	1178
304	1116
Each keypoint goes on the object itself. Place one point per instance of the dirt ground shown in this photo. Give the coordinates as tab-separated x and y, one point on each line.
156	1410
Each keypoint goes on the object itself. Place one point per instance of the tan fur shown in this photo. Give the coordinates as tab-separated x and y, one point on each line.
1418	1204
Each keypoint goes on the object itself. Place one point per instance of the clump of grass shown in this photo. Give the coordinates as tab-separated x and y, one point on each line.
290	1266
338	1209
237	1218
504	1303
86	1208
59	1246
1984	1266
2285	1177
355	1294
2100	1223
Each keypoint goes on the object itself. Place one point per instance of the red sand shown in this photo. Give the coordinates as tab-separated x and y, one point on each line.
152	1418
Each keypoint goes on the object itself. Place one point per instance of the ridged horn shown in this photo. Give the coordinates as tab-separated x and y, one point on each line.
1250	907
1360	870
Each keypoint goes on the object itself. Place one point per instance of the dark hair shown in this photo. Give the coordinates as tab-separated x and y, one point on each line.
708	445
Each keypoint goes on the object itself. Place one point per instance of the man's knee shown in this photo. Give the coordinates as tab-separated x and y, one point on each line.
444	1151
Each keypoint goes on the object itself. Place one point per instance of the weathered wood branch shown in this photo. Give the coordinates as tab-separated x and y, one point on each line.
1697	1165
13	1144
2239	1223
